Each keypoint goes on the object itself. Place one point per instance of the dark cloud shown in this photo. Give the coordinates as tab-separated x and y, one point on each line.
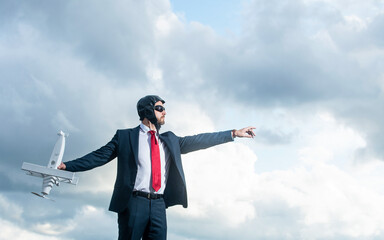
107	37
67	66
296	55
374	30
273	136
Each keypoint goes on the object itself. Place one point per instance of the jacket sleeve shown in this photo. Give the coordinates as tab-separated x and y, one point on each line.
203	140
96	158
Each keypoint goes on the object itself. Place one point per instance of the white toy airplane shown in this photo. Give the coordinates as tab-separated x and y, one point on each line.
50	174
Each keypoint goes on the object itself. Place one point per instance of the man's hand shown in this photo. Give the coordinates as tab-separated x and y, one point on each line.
244	132
62	166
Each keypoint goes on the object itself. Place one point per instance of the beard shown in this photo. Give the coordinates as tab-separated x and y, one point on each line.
161	121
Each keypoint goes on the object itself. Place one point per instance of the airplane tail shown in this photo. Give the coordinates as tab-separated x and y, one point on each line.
42	196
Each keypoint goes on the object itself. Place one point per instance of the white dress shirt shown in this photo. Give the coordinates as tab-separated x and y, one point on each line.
144	167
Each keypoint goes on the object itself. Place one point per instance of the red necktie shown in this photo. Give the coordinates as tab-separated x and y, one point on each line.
155	159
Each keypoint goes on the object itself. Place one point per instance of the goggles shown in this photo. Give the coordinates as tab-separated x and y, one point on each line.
159	108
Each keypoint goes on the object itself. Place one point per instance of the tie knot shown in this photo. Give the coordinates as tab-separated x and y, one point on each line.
152	132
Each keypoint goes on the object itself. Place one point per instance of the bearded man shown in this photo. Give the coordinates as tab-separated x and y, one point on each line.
150	176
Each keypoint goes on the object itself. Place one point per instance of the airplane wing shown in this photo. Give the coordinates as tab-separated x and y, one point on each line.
40	171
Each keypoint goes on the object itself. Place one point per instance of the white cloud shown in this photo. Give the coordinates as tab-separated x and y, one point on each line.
165	23
13	224
330	201
10	230
89	222
219	182
155	77
187	118
9	209
327	139
321	199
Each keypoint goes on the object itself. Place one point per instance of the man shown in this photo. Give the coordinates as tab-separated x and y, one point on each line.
150	174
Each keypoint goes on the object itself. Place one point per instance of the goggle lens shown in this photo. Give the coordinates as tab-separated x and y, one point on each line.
159	108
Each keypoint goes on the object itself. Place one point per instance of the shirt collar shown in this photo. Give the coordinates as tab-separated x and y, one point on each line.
144	128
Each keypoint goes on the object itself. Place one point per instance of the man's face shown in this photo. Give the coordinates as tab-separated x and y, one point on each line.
160	116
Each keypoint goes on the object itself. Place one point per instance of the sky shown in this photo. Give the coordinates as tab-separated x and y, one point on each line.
308	74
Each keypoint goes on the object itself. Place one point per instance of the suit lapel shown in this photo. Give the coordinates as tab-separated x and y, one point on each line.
167	142
134	140
174	157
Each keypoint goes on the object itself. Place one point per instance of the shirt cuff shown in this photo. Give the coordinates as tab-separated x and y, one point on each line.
233	134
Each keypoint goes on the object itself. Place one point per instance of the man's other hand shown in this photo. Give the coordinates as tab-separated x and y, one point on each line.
246	132
62	166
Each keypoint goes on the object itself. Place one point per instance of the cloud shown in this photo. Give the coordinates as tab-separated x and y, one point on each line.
9	209
321	198
308	73
87	222
12	231
223	168
330	140
273	137
302	54
330	202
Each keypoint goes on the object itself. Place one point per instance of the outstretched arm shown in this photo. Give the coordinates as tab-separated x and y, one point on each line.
94	159
206	140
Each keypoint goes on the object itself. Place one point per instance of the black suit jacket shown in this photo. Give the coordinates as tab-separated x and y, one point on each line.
124	146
